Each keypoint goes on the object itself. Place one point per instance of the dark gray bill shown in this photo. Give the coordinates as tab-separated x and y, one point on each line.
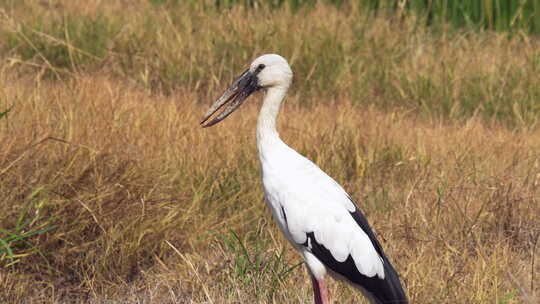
234	96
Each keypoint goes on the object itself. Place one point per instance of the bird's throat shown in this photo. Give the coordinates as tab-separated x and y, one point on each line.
267	134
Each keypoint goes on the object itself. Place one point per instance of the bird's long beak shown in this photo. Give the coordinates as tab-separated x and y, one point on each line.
235	95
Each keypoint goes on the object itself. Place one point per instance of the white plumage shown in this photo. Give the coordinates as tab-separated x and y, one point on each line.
313	202
313	211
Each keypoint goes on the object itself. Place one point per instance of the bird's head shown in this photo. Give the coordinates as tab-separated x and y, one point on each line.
265	72
274	71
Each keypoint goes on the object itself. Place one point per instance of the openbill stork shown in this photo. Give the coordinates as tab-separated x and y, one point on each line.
313	211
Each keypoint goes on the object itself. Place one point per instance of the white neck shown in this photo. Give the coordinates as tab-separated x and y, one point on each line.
267	135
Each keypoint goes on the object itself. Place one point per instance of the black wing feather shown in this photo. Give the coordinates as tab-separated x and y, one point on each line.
387	290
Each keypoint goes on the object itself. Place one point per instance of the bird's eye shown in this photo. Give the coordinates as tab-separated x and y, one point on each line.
260	67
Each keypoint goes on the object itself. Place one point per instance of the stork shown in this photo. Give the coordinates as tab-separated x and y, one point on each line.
312	210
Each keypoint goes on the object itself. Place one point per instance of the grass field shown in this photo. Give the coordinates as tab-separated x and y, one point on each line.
111	192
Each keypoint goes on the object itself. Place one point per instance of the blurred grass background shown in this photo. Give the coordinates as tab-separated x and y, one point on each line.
349	53
426	111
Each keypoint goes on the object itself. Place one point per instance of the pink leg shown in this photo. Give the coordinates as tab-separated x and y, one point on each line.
320	293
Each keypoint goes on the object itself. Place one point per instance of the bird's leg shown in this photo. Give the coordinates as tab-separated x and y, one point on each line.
320	292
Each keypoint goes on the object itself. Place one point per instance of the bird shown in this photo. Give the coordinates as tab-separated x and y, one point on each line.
315	214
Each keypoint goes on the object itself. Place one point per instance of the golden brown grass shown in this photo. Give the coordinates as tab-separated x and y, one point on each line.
335	53
142	197
147	207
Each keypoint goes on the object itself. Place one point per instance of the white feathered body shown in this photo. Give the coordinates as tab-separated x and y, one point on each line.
304	199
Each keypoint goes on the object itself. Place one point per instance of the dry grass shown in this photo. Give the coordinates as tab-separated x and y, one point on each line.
144	206
335	53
